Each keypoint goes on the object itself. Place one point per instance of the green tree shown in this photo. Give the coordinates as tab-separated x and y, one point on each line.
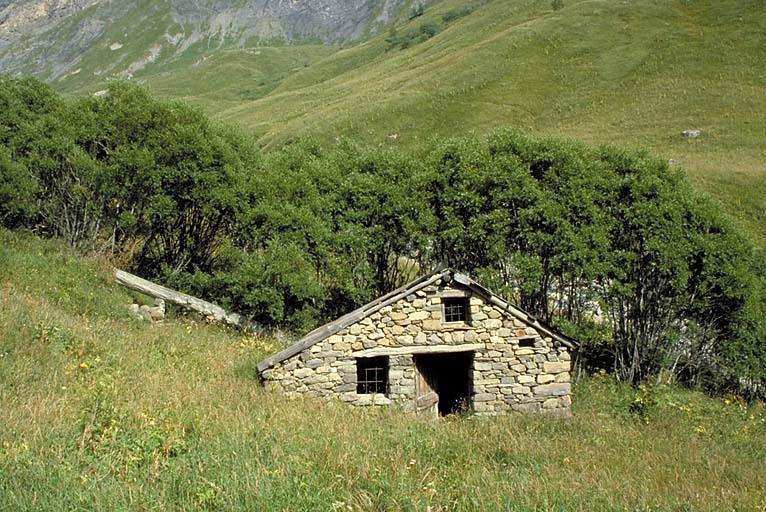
17	192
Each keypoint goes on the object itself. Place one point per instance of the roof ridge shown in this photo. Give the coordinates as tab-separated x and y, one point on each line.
324	331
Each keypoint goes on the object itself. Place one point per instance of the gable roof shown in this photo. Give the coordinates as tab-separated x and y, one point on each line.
363	312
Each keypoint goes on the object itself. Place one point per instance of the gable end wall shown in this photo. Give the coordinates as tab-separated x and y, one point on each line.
505	376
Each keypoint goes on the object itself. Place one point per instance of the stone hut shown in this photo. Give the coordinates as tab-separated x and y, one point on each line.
440	344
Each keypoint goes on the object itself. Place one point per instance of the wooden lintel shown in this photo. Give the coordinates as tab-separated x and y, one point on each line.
418	349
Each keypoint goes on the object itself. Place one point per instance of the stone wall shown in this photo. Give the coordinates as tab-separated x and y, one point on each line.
515	367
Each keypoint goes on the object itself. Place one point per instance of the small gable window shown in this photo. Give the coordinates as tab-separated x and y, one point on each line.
372	375
456	309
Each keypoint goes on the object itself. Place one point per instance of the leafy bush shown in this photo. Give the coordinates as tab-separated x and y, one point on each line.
17	192
613	246
456	13
412	37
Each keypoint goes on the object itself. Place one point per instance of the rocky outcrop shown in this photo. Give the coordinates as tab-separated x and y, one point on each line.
49	37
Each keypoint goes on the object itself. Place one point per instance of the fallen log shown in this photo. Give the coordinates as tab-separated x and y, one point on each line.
207	309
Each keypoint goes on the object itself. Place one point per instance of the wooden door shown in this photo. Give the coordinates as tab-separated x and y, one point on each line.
426	398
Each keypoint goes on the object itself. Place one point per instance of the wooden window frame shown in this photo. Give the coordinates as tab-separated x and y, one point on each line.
372	375
456	310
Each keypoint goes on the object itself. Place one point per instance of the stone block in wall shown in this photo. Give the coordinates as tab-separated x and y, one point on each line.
483	407
526	407
562	377
555	367
302	373
521	390
484	397
545	378
555	389
419	316
316	379
525	379
363	400
432	325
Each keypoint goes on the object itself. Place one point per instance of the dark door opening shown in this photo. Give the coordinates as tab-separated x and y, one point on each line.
448	376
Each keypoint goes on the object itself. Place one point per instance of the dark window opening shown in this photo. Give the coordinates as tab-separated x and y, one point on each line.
456	310
527	343
372	375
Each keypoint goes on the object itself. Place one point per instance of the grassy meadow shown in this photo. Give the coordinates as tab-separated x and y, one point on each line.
103	412
630	73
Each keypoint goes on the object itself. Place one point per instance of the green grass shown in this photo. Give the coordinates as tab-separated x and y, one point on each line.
102	412
231	77
628	73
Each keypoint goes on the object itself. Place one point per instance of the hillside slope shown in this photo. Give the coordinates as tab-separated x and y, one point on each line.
82	41
630	73
102	412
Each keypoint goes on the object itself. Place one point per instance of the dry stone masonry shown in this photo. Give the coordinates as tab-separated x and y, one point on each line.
490	355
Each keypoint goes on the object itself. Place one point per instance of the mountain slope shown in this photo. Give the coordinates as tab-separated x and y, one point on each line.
96	39
631	73
635	74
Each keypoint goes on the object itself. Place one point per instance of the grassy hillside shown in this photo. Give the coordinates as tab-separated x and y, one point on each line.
101	412
631	73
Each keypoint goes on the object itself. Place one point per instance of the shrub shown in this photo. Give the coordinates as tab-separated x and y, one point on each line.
412	37
456	13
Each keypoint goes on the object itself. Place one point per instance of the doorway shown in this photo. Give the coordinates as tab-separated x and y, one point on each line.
443	382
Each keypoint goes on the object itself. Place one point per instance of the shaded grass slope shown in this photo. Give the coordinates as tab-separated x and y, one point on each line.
101	412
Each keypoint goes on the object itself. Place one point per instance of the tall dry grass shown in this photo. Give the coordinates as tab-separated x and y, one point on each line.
102	412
